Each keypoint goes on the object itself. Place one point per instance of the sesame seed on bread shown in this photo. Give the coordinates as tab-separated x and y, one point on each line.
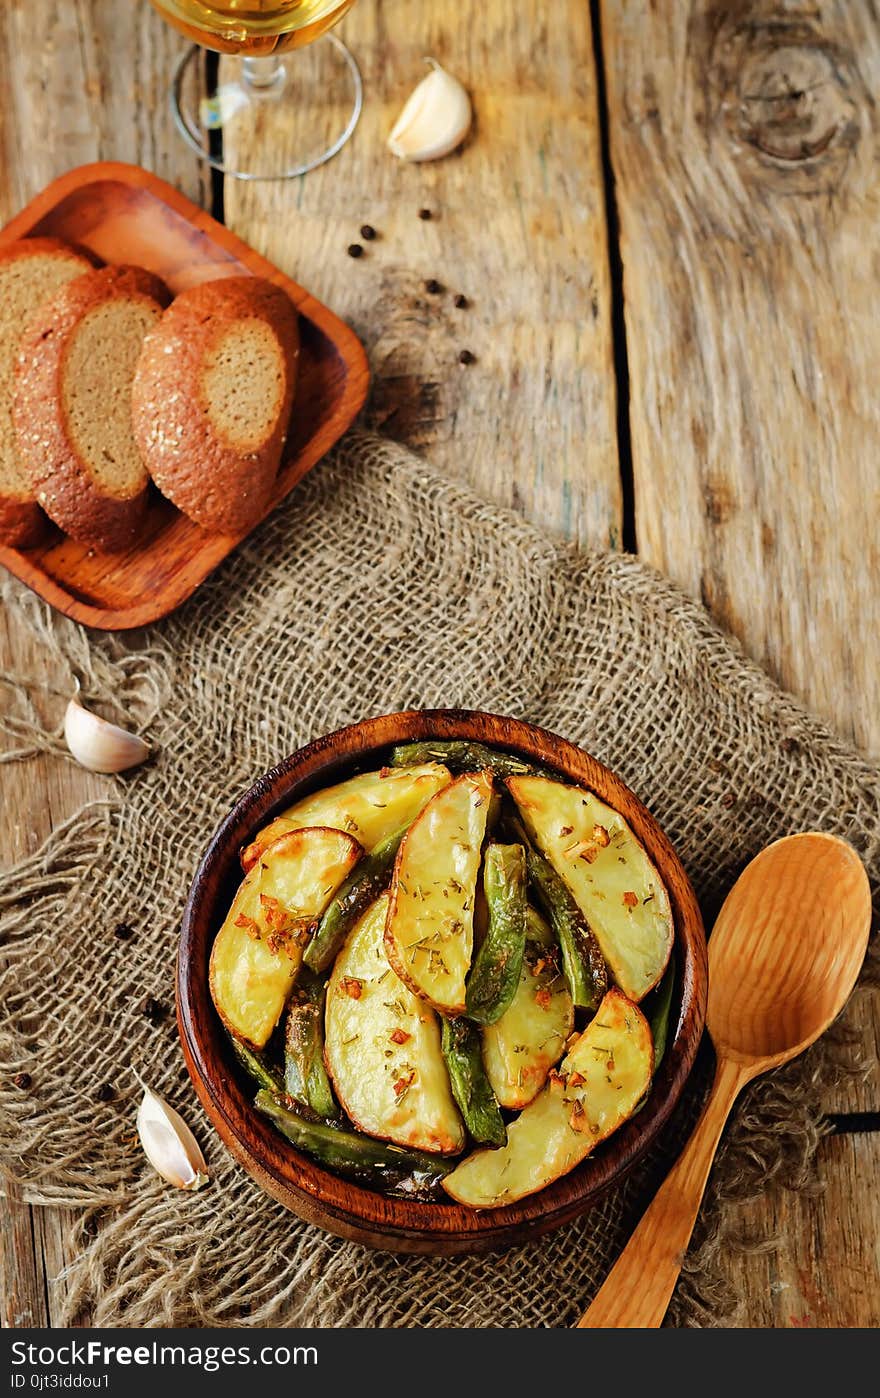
72	403
212	398
31	271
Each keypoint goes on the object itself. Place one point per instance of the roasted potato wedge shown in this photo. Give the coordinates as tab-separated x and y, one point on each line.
370	806
382	1048
608	873
257	952
429	936
601	1082
522	1046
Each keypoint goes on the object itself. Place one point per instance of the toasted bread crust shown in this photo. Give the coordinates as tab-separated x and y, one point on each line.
22	522
219	485
62	481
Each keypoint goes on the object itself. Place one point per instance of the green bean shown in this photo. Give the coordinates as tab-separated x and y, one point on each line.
305	1077
370	877
460	755
495	974
462	1051
350	1152
583	964
260	1068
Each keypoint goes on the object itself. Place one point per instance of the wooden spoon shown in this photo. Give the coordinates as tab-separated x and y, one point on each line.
783	958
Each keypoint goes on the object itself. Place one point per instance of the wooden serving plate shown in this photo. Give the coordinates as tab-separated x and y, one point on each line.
126	214
350	1210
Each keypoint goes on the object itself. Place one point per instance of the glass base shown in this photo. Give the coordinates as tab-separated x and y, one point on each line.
268	118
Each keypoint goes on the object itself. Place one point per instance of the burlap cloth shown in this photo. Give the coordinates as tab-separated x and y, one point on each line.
377	586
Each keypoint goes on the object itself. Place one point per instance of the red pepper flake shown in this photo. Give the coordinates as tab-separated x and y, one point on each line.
566	829
385	772
542	998
630	900
399	1036
539	966
577	1079
403	1084
248	924
556	1079
351	986
601	836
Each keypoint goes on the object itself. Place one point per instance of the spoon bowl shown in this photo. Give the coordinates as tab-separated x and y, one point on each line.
783	959
786	949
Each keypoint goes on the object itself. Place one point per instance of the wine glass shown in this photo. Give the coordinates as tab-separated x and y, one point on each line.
265	92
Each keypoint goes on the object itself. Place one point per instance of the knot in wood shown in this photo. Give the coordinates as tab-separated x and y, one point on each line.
789	103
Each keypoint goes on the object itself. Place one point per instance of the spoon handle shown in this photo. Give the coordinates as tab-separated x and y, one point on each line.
637	1290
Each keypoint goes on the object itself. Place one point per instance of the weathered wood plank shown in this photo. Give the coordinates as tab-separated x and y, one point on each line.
823	1271
747	168
518	227
83	81
35	797
747	177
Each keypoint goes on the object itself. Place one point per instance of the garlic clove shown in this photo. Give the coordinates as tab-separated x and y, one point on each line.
168	1143
435	119
99	745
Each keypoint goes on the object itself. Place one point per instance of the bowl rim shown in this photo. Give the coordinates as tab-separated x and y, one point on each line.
337	1204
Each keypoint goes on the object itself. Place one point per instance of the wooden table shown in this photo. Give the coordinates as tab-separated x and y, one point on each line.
666	226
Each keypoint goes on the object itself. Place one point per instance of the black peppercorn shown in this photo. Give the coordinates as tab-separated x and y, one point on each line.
123	930
467	357
355	250
461	302
22	1080
424	214
433	287
104	1093
368	232
152	1010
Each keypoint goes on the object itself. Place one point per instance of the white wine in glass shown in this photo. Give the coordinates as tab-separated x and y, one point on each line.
255	116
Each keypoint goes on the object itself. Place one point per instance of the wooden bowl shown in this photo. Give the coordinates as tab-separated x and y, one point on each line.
350	1210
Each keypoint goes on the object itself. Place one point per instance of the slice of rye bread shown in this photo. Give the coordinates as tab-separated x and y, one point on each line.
72	403
31	271
212	398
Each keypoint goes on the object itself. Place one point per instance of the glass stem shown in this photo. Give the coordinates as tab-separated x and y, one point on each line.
260	74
